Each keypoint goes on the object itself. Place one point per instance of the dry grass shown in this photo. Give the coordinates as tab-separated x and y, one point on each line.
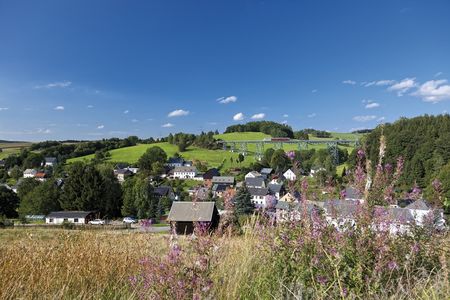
62	264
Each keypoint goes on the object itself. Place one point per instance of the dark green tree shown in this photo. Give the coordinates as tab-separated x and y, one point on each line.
43	199
150	157
243	201
279	161
9	203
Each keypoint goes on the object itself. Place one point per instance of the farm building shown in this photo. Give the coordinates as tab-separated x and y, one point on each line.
184	215
75	217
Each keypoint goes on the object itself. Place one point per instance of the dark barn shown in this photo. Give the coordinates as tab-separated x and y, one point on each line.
184	215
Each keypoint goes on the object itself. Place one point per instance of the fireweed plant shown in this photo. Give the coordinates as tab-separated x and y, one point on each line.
307	257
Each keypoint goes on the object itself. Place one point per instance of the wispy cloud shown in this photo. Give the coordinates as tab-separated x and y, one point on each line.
284	122
168	125
238	117
134	120
100	126
403	86
351	82
90	106
59	84
379	83
126	111
371	104
433	91
381	119
178	113
226	100
438	74
364	118
59	107
3	108
44	130
285	116
313	115
258	116
314	91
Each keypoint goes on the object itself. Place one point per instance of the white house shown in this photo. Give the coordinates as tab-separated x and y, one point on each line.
75	217
314	171
421	211
122	174
253	174
50	162
29	173
259	196
185	172
290	175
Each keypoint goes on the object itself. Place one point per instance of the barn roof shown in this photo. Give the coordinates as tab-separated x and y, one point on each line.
182	211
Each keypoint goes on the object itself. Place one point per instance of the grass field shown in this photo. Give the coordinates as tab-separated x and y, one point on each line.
213	158
9	148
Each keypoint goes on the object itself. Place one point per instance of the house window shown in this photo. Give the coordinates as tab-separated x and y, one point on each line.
50	220
66	220
75	220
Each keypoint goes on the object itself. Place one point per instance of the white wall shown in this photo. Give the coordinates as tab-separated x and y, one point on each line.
61	220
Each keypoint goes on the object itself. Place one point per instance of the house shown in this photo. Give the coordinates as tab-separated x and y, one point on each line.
289	197
277	190
255	182
50	162
290	175
174	162
208	175
352	194
422	212
75	217
185	172
259	196
41	176
225	180
164	191
122	174
292	211
29	173
253	174
341	212
184	215
132	169
316	170
219	189
201	194
265	172
393	219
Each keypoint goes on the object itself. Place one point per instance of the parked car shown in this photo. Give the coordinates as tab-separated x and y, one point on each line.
129	220
97	222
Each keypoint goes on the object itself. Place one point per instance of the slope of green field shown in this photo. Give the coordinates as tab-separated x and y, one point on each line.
240	136
214	158
9	148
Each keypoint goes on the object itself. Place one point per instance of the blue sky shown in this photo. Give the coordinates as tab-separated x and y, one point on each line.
98	69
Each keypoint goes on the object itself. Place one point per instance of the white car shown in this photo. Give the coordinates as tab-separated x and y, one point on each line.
129	220
97	222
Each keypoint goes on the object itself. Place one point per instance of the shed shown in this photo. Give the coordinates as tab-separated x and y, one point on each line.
75	217
183	215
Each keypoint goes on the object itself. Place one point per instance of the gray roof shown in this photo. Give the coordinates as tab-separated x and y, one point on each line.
275	188
69	214
175	160
219	187
223	179
352	193
342	208
290	206
396	214
201	193
266	171
51	160
185	169
258	191
123	171
182	211
252	182
420	205
162	191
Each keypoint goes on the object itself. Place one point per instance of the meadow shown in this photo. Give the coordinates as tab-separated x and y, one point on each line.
213	158
9	148
261	263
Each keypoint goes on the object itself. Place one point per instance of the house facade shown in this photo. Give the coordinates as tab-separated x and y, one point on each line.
290	175
185	172
29	173
74	217
184	215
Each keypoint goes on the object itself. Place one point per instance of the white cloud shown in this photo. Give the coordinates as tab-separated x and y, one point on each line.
403	86
381	119
258	116
438	74
100	126
313	115
314	91
372	105
379	82
285	116
364	118
134	120
59	107
284	122
212	123
168	125
60	84
3	108
433	91
90	106
178	113
238	117
226	100
126	111
349	82
43	130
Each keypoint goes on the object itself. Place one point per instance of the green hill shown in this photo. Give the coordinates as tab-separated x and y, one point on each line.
214	158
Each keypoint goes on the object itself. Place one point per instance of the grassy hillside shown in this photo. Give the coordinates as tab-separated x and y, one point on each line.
9	148
214	158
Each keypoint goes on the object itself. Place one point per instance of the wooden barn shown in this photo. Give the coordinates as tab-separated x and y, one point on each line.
184	215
